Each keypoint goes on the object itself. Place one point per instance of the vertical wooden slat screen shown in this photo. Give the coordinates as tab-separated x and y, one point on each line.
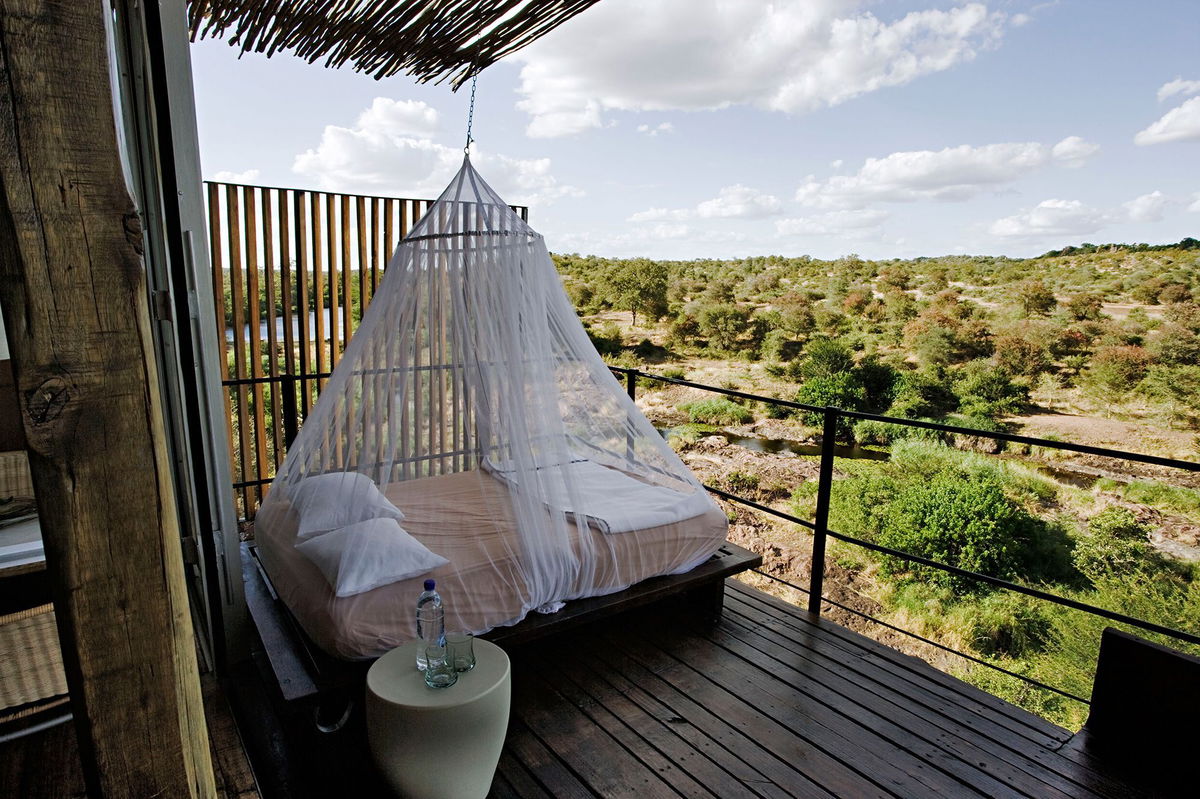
293	270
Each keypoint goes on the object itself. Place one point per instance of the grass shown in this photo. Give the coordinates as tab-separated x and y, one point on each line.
1183	501
718	411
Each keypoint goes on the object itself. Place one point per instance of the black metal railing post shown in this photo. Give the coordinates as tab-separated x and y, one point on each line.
631	390
816	578
291	422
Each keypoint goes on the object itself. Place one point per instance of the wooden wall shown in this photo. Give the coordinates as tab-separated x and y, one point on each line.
74	295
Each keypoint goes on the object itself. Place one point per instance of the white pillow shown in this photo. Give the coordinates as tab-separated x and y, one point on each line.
331	501
369	554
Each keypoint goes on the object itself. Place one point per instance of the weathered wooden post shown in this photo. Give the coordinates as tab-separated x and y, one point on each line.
73	288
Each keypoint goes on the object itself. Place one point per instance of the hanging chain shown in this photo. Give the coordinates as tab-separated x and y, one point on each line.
471	115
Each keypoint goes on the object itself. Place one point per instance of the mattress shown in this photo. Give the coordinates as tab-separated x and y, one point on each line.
466	518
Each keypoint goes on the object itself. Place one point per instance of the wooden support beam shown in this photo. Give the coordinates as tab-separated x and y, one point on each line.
73	288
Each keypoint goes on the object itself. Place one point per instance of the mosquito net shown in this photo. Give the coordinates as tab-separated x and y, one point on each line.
471	433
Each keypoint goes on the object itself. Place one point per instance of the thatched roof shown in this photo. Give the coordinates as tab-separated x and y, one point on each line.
428	39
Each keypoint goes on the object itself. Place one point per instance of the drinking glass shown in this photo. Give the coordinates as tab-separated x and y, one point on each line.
439	673
460	649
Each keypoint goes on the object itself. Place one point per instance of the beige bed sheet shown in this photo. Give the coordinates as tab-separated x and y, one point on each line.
466	518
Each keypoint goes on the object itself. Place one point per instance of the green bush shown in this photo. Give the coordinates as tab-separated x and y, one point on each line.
1010	624
716	411
920	395
841	390
858	506
1117	545
987	391
675	373
738	481
968	523
825	357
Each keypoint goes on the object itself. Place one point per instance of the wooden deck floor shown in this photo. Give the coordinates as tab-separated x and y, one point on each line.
768	703
45	765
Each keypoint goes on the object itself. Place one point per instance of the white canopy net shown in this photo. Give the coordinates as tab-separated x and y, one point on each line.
472	433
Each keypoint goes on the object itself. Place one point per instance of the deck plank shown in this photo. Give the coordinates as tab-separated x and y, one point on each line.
688	772
956	751
973	735
957	699
727	745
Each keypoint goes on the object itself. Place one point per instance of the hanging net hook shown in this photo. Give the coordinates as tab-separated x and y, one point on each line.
471	116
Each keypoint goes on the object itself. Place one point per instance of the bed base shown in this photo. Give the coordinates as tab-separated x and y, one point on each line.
307	674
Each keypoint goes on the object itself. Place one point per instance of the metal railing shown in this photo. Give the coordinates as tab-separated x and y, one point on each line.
819	525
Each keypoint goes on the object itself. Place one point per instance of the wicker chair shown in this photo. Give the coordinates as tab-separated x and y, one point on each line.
31	669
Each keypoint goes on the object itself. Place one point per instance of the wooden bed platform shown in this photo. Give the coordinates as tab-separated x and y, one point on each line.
306	673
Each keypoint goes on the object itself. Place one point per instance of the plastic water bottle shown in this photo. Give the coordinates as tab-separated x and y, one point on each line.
431	621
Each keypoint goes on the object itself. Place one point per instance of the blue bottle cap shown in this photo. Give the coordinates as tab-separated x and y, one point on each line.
429	584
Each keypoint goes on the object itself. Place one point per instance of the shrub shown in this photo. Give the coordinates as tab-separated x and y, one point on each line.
1019	356
1176	345
1114	371
968	523
675	373
1035	298
1085	305
857	506
606	340
738	481
1009	624
836	391
722	324
985	391
879	382
1117	545
920	395
824	357
716	411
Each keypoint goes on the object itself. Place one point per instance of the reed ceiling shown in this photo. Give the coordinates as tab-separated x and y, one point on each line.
431	40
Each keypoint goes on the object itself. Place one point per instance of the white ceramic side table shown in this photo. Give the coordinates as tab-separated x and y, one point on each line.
438	743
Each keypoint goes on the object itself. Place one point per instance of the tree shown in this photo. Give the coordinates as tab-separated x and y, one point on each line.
1114	371
1085	305
1018	355
1035	298
795	313
639	285
722	324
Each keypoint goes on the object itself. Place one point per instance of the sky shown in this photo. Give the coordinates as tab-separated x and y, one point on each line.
688	129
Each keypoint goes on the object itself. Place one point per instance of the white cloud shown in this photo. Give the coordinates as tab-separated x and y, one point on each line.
1147	208
389	151
1074	151
739	202
1181	123
1020	20
950	174
225	176
731	202
654	241
831	223
836	164
1051	218
659	214
1178	86
1195	206
792	55
660	128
